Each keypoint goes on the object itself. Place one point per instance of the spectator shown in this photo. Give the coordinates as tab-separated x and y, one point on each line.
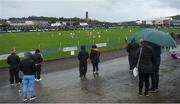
83	57
38	60
27	66
94	57
13	61
132	52
145	67
155	75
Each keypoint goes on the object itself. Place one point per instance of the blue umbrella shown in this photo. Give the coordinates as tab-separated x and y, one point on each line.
158	37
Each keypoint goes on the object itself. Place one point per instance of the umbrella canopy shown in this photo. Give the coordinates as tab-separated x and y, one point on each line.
158	37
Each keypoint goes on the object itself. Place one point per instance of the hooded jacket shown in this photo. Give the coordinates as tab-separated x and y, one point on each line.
27	66
157	53
132	47
147	60
94	55
83	56
37	58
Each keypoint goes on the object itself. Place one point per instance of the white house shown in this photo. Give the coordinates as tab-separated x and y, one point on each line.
158	21
83	24
56	24
20	23
139	22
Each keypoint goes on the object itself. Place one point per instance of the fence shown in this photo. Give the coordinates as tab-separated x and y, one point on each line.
64	49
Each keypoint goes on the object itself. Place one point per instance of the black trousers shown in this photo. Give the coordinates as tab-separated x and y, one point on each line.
82	69
95	67
132	61
14	73
144	79
38	73
155	78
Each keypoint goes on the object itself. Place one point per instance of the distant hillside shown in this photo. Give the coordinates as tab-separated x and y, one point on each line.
177	17
50	19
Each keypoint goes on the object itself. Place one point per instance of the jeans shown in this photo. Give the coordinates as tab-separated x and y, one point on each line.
28	81
144	79
95	67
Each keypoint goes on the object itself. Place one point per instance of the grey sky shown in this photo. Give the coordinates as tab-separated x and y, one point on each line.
105	10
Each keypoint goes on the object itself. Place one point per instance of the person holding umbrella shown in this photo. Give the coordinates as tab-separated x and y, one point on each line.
94	57
157	39
83	57
145	67
13	60
155	75
132	52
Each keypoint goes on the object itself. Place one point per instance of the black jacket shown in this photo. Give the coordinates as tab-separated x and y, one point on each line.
147	60
132	49
27	66
37	58
13	60
83	56
94	56
157	52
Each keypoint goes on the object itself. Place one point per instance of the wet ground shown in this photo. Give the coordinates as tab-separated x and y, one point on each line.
114	85
65	64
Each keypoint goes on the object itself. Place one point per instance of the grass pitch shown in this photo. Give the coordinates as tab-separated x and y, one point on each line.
29	41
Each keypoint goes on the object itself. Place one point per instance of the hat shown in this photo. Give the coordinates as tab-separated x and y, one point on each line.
37	51
94	46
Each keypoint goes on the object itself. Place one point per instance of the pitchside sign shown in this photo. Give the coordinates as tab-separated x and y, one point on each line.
22	53
68	49
4	57
101	44
65	49
51	51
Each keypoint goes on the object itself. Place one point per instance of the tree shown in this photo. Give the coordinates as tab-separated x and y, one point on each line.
68	23
76	24
5	26
52	21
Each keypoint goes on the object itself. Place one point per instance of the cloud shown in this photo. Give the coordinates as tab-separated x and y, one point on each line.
171	3
105	10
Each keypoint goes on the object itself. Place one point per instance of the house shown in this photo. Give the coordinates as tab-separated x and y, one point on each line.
57	24
83	24
175	22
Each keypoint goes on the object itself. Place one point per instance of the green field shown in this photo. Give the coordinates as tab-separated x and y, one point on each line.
29	41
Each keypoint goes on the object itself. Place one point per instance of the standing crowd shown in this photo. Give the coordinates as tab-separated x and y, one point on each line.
149	57
31	68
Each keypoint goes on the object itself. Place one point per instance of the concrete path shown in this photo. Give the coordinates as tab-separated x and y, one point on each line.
114	85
